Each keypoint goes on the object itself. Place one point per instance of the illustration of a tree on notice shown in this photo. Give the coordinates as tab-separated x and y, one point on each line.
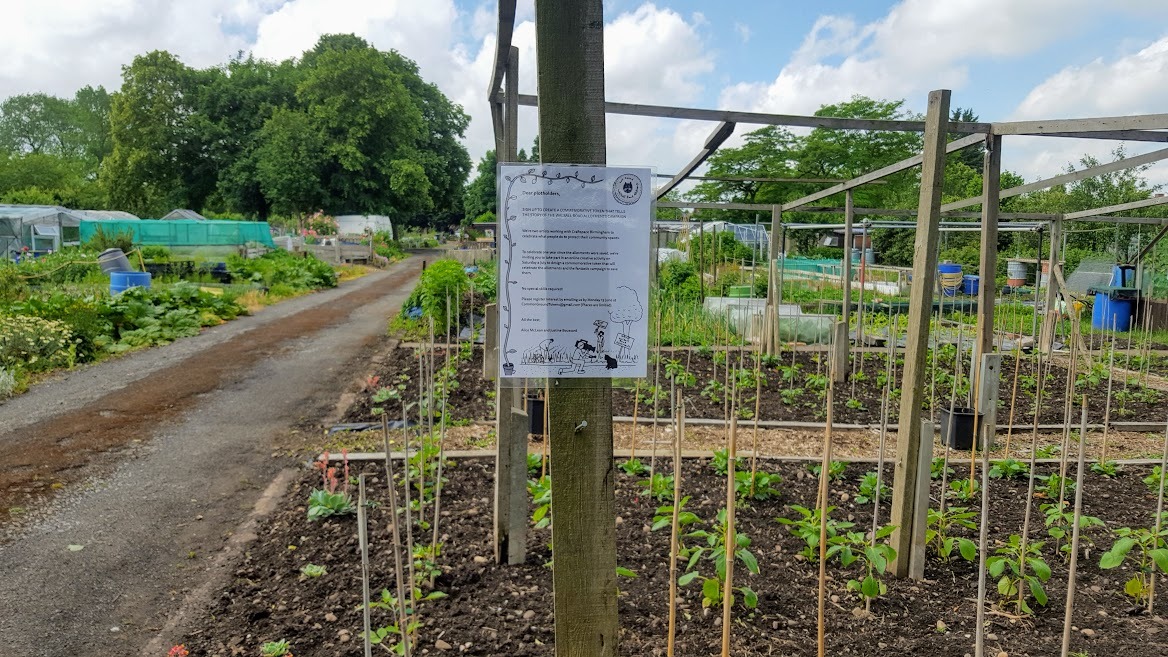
627	310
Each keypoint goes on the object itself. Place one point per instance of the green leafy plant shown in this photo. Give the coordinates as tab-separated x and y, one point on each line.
1009	469
1059	525
276	649
659	486
939	534
1015	567
868	492
1048	451
764	485
633	467
720	462
541	497
312	571
854	404
790	396
716	551
806	528
964	489
1147	549
1109	469
534	464
871	554
1153	480
664	516
676	371
713	391
1051	485
333	498
937	468
835	469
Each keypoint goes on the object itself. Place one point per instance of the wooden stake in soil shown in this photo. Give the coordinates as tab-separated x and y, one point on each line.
1071	570
731	538
656	396
1159	517
398	571
1014	394
757	408
636	406
674	540
363	540
983	530
884	432
1110	379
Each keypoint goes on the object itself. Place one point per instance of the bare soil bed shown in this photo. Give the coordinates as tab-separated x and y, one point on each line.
794	391
493	610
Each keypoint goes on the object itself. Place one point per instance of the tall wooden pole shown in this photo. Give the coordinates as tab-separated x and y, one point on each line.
840	371
908	443
1050	317
570	56
987	288
772	312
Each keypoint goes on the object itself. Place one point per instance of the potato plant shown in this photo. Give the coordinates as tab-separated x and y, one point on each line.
1147	549
1019	568
940	539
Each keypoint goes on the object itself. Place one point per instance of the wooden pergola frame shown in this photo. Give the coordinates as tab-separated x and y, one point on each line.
911	466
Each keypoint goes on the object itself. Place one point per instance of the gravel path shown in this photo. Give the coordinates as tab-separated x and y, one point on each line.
158	457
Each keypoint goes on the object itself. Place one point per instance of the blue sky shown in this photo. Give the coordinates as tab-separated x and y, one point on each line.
1006	59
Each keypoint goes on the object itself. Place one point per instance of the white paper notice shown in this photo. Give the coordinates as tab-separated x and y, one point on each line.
574	270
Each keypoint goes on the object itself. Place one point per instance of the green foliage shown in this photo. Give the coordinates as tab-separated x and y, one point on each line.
442	280
659	486
276	649
964	489
835	469
807	527
664	516
485	282
1155	479
322	504
541	497
1054	485
1147	548
716	551
1059	525
871	554
143	318
1016	567
8	383
937	468
939	535
86	317
312	571
720	462
1009	469
102	240
762	486
633	467
33	344
868	492
283	268
534	464
1109	469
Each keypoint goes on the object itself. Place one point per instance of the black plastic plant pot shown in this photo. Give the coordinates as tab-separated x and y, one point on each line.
508	368
535	415
957	427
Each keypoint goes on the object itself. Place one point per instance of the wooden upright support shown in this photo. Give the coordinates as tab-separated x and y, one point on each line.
840	371
570	56
917	556
908	442
510	428
988	266
772	307
1046	340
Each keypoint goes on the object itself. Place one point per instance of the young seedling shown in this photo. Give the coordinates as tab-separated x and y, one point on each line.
276	649
871	554
1059	525
719	462
806	527
938	469
1152	481
659	486
312	571
1013	580
964	489
835	470
939	537
760	486
868	492
1052	484
541	496
1109	469
715	550
1009	469
1149	552
633	467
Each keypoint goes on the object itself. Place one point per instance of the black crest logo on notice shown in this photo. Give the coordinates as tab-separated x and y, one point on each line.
627	189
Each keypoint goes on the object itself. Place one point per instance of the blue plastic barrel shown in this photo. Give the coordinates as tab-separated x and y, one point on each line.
949	290
120	281
1123	276
1109	312
970	284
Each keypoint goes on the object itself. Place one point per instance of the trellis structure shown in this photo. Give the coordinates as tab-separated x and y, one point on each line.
910	469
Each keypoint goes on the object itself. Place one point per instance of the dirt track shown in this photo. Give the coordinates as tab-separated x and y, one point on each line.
155	458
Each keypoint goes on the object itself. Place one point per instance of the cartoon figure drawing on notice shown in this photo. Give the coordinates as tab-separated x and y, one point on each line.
627	310
584	354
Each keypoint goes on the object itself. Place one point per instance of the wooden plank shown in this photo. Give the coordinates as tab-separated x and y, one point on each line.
716	138
988	264
1074	176
760	118
511	476
839	352
570	55
917	556
989	378
1148	248
760	180
882	172
1046	337
1096	124
846	284
491	344
503	33
1123	135
1121	207
511	150
908	446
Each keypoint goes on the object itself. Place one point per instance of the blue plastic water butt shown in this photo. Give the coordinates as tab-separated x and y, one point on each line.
120	281
1110	312
950	278
970	284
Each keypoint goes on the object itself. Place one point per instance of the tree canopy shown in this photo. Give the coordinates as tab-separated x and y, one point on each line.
346	128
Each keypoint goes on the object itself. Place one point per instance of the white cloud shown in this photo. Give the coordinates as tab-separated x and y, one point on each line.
743	31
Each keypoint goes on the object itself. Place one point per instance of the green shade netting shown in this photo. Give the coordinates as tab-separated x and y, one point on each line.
177	233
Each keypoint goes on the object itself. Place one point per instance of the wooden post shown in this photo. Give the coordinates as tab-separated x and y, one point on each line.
908	442
839	353
491	348
511	424
570	56
1046	342
987	399
771	315
846	281
920	521
988	265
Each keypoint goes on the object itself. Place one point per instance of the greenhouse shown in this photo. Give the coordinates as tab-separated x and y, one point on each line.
186	232
37	228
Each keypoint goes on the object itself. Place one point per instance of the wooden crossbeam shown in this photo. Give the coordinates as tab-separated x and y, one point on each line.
1121	207
1097	124
502	48
716	138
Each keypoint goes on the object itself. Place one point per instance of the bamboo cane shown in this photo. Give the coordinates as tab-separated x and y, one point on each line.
983	537
757	409
441	450
1065	447
1014	393
636	406
399	574
1107	407
825	466
883	435
674	540
1159	518
1072	568
363	540
730	538
656	398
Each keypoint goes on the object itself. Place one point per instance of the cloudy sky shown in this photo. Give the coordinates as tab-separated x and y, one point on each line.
1005	59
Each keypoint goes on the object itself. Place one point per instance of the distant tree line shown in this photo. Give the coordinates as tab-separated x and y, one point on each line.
346	128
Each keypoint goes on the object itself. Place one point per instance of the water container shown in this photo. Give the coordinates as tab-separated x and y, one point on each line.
1123	276
869	256
112	260
535	415
970	284
950	278
1110	312
120	281
957	427
1015	273
856	254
